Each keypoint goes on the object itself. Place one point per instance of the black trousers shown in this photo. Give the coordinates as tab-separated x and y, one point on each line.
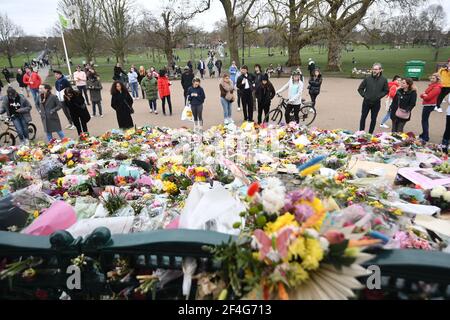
374	109
289	109
185	94
263	108
444	92
398	125
80	124
313	98
247	104
83	90
446	138
426	111
169	101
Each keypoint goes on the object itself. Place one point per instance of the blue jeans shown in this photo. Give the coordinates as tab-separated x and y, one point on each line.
35	94
21	126
386	117
152	104
226	105
134	89
50	136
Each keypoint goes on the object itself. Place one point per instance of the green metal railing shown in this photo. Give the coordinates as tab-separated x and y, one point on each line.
166	249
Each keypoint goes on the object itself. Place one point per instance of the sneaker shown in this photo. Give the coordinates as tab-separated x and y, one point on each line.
438	109
156	112
72	127
384	126
101	116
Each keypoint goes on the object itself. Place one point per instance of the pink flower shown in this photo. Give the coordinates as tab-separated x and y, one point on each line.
334	237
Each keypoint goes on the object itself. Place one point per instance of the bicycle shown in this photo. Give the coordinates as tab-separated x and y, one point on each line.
9	137
307	113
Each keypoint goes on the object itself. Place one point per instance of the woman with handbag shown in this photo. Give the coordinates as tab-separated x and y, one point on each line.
122	103
403	103
226	87
79	113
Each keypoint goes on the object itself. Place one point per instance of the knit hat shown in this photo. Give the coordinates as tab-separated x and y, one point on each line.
265	77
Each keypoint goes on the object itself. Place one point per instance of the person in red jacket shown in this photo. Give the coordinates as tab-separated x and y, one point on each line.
33	81
429	102
393	87
164	90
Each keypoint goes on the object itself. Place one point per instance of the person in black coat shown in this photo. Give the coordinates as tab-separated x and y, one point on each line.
315	83
122	103
75	103
405	99
264	93
246	84
118	72
186	81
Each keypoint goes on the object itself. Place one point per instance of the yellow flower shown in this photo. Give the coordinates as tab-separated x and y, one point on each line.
170	187
376	204
398	212
70	163
36	214
59	182
296	274
70	155
313	254
296	249
281	222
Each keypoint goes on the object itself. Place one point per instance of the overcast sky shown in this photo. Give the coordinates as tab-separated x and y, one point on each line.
36	17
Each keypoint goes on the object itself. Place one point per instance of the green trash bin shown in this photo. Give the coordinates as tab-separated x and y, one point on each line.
414	69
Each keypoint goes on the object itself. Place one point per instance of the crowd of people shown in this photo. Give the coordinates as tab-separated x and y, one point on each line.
401	98
252	90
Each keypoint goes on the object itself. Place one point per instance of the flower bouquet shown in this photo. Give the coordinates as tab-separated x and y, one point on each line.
288	250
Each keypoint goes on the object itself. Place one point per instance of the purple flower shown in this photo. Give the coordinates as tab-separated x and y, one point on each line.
302	212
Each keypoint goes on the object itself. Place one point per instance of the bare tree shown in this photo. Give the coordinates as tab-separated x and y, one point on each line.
9	34
118	23
167	31
87	32
433	21
295	21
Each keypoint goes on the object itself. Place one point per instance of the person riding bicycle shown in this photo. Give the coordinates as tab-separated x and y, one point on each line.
295	86
18	108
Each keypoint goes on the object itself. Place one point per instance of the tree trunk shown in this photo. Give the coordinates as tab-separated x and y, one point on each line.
294	54
334	53
169	54
233	44
10	60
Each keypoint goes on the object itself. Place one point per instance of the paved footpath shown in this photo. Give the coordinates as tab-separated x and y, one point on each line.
338	106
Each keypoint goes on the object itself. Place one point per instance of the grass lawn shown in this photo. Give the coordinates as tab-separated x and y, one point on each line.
17	60
393	60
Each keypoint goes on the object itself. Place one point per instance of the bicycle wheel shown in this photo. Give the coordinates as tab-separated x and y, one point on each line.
274	117
7	139
307	115
31	131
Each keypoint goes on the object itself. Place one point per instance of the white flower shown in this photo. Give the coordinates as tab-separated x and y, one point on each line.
311	233
158	185
324	243
273	195
446	196
437	192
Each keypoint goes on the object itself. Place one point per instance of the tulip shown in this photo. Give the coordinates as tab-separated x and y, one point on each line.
253	189
334	237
